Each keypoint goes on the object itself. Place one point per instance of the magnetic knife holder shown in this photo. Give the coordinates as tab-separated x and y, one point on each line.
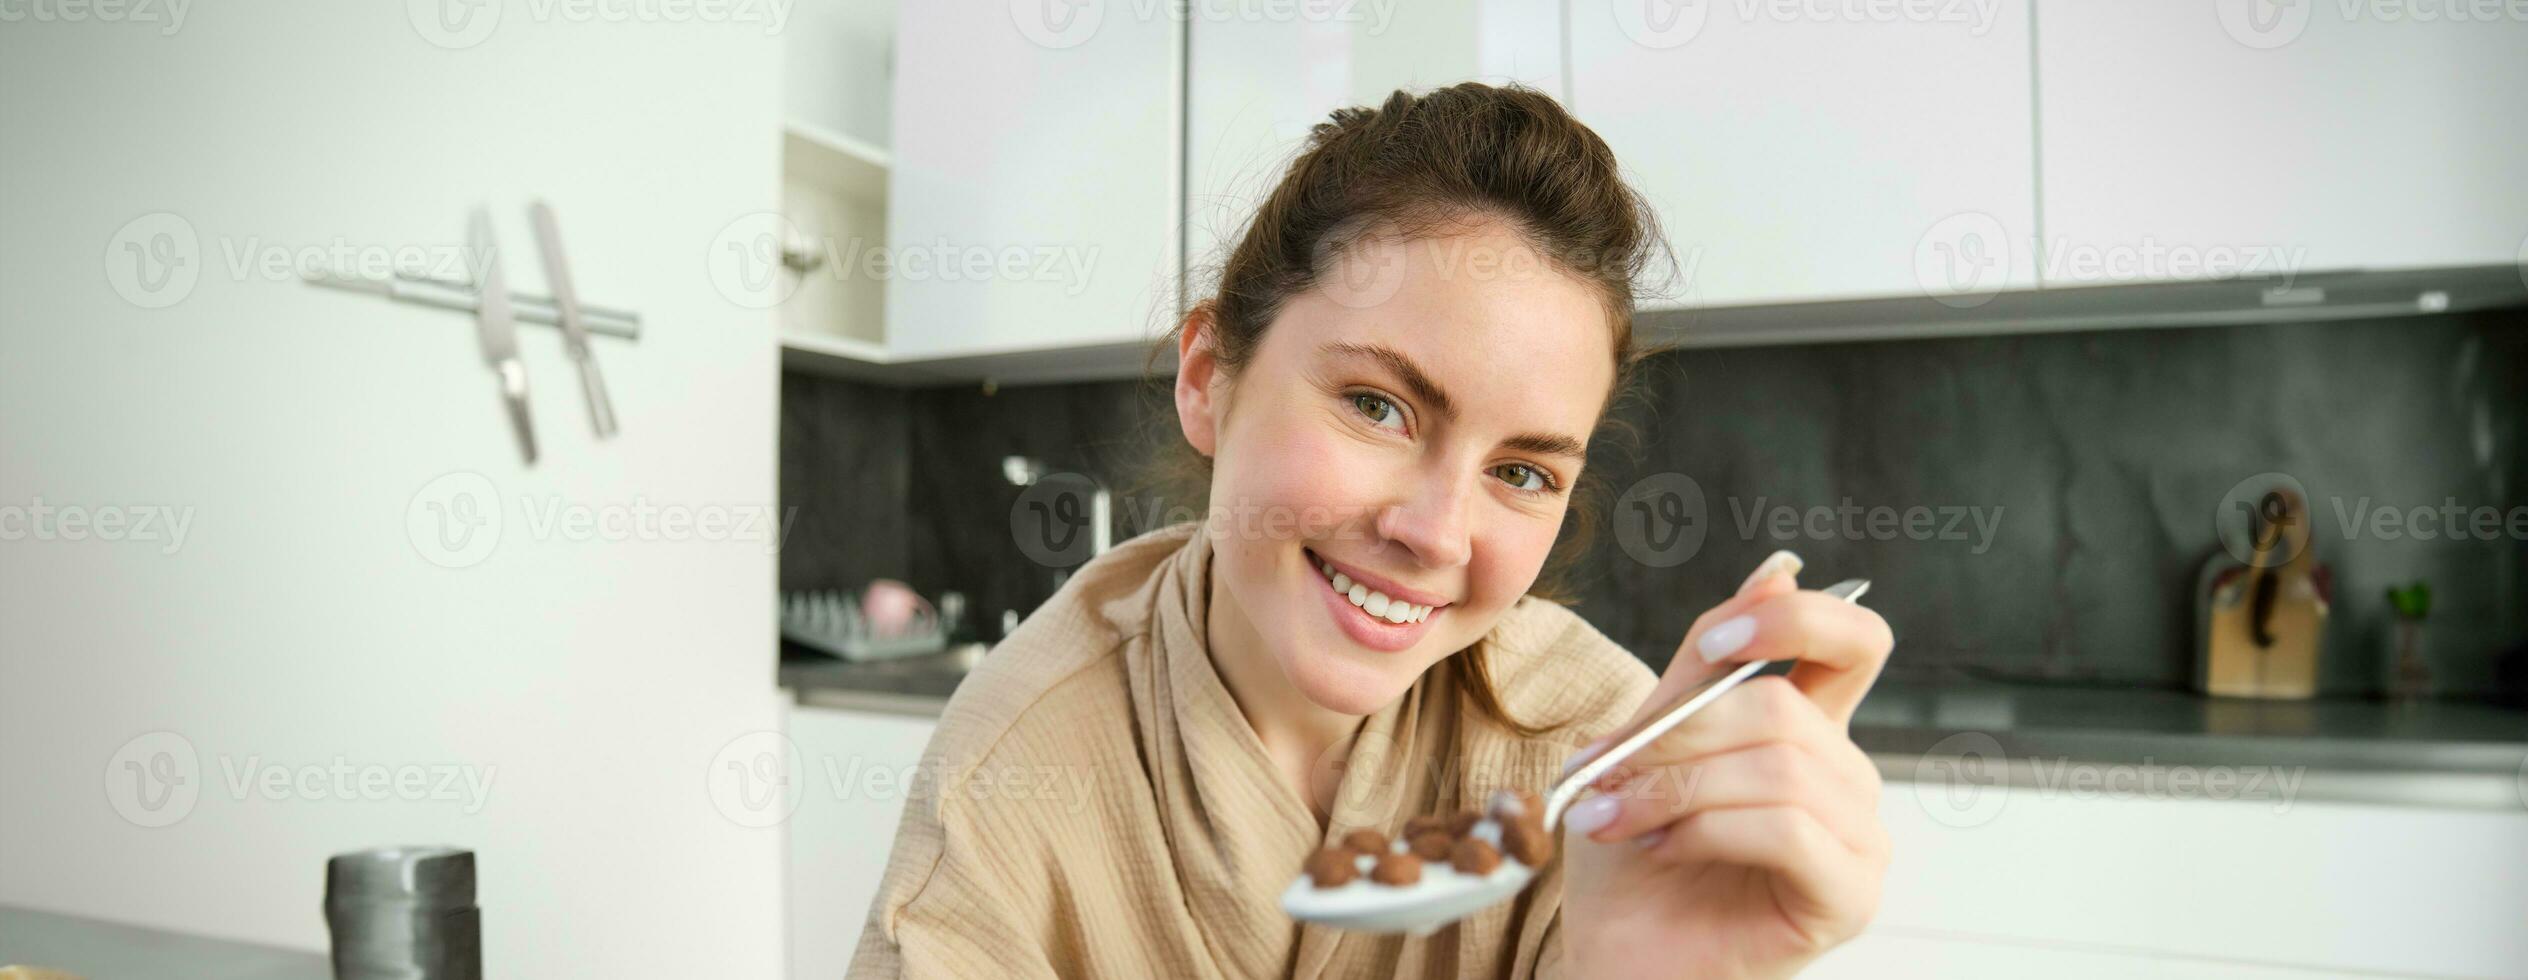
451	294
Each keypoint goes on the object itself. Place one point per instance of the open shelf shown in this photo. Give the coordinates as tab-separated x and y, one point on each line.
839	164
834	192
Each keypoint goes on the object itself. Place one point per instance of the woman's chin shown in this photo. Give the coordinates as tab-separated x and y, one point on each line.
1346	686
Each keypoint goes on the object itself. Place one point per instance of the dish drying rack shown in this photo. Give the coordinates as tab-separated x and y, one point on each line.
833	622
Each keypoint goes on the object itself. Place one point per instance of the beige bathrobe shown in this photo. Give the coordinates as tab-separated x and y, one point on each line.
1093	804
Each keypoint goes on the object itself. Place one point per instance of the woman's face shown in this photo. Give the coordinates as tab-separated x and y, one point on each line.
1415	422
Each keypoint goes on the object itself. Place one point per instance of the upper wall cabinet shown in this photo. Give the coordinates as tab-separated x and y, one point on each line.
1258	84
1033	193
2191	140
1799	152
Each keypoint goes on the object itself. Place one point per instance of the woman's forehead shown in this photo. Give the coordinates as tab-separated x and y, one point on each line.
1492	332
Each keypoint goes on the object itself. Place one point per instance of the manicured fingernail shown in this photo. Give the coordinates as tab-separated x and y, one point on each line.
1774	564
1730	636
1651	839
1589	815
1586	753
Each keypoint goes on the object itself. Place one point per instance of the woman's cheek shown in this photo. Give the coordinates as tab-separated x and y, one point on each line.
1509	559
1319	482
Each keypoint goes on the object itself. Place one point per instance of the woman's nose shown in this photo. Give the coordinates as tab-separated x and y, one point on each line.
1432	522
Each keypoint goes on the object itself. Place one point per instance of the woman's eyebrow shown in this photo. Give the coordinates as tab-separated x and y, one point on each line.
1424	389
1547	444
1430	393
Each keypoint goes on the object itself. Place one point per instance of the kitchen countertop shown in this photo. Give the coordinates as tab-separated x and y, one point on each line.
109	951
910	685
2440	753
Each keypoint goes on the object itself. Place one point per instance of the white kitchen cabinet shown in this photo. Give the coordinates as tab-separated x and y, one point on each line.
374	582
2017	882
1033	200
1811	152
1258	84
853	771
2183	140
837	80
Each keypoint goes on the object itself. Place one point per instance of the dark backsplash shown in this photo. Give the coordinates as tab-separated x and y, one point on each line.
2061	488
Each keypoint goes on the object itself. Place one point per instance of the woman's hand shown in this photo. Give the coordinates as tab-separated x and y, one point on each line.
1746	841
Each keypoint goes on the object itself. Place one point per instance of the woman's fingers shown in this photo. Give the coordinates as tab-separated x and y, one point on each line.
1840	646
1829	886
1831	780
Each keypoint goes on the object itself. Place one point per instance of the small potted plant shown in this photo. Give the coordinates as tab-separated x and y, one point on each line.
2409	676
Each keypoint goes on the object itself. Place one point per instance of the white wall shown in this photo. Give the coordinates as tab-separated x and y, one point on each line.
592	682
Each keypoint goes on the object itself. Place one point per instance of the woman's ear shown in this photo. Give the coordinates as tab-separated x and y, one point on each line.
1197	368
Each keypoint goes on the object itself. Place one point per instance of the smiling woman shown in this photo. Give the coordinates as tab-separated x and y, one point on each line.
1388	403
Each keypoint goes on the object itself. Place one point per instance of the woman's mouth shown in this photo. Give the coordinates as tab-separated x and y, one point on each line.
1371	617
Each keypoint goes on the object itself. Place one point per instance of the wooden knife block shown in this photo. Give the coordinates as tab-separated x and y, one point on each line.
2280	661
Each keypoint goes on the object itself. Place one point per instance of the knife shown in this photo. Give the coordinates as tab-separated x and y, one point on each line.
498	331
557	278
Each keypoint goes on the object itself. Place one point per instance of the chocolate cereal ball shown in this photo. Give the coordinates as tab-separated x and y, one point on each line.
1474	857
1433	844
1527	841
1366	841
1332	868
1397	869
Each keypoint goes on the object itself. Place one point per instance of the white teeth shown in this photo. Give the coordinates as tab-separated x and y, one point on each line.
1376	603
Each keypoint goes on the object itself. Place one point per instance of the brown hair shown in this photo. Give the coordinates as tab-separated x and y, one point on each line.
1404	170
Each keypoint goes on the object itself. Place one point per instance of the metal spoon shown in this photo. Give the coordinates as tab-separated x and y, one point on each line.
1445	895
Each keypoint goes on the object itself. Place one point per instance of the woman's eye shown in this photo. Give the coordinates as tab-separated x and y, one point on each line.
1521	476
1377	409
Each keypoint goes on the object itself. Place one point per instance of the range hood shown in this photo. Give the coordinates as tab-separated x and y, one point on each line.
2342	295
